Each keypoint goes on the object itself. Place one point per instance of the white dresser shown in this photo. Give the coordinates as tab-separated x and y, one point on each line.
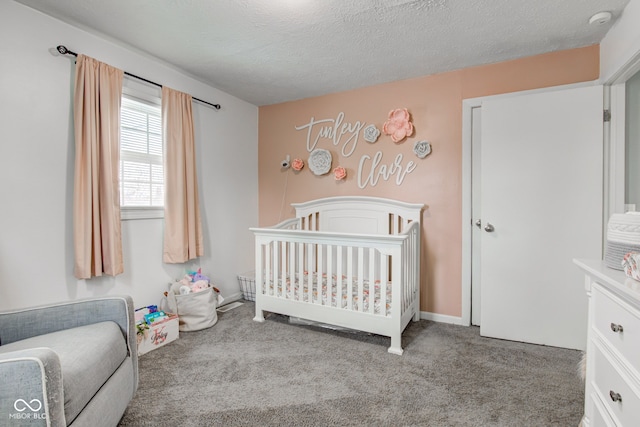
612	390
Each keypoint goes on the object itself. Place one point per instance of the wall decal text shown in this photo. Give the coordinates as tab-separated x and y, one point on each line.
334	130
377	171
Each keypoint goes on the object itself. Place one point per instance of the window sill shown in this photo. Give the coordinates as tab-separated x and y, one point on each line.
131	213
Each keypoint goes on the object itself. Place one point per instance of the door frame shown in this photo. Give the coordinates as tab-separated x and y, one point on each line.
467	108
615	137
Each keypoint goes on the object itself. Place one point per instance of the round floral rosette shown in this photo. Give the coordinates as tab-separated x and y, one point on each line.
371	133
297	164
339	173
320	161
422	149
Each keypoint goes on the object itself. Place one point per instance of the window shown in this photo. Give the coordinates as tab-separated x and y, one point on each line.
141	174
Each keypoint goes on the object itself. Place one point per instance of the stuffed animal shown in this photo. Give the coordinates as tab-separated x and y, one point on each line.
200	285
197	276
187	284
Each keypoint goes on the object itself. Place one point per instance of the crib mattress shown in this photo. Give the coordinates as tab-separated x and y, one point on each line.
326	292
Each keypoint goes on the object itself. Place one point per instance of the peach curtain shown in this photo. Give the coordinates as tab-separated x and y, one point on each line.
182	228
96	204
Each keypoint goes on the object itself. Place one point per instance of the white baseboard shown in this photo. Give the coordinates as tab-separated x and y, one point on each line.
442	318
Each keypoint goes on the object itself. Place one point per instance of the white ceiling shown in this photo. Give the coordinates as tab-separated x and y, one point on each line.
271	51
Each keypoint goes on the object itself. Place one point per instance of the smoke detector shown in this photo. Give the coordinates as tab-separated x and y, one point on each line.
600	18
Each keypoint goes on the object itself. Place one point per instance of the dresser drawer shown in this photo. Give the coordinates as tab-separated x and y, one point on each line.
600	417
614	391
619	325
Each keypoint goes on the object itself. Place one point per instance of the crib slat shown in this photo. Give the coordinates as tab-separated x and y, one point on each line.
276	263
268	249
274	269
300	277
372	280
311	268
292	269
339	277
410	267
383	284
411	273
310	272
283	269
350	278
329	275
319	270
360	278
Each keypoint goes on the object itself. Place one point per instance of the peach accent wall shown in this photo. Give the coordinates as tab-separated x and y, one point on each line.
435	104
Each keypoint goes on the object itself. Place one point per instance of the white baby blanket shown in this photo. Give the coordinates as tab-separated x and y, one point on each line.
623	236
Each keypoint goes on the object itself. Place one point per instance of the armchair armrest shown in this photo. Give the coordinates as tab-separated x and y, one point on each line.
31	388
25	323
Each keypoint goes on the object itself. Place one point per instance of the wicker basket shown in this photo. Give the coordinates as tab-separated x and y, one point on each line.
247	283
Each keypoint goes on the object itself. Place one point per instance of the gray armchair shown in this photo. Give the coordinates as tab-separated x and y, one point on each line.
72	363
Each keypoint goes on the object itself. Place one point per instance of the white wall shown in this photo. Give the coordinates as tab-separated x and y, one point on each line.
621	45
36	171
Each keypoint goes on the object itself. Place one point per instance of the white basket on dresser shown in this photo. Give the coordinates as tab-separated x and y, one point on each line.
612	388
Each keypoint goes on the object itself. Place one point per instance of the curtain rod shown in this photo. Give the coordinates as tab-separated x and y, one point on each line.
64	51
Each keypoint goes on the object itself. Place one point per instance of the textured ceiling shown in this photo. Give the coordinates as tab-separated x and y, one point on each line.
271	51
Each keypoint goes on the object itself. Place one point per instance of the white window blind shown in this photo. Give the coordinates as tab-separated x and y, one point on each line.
141	174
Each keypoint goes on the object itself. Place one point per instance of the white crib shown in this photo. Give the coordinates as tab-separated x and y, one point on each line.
352	262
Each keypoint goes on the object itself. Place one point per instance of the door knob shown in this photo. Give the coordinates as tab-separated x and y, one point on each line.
478	223
488	228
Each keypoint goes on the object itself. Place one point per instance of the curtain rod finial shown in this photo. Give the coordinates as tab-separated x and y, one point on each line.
64	51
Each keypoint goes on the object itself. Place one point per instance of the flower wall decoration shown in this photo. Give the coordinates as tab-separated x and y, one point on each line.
343	135
399	125
371	133
320	161
422	149
297	164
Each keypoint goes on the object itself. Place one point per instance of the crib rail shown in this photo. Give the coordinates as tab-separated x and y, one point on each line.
381	271
288	224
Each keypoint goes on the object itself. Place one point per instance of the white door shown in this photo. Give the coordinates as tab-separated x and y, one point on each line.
476	213
541	203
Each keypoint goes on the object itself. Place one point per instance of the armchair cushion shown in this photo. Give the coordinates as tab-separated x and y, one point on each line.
88	355
29	322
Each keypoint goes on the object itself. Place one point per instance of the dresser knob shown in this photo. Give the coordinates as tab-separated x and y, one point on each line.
615	396
616	328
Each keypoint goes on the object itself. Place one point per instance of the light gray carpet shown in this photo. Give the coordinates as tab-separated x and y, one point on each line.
243	373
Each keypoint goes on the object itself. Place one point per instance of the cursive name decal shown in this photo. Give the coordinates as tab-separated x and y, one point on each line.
377	171
334	132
